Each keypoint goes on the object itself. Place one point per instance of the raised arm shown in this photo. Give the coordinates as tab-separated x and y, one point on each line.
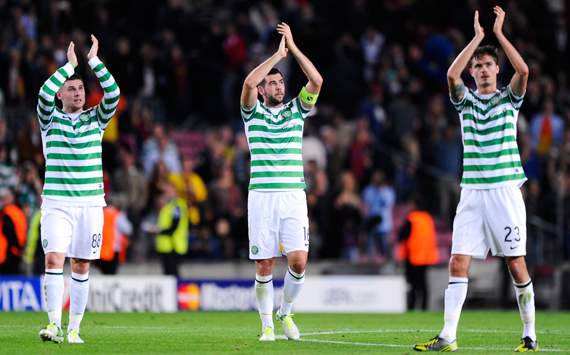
456	86
46	97
111	93
249	90
311	72
520	78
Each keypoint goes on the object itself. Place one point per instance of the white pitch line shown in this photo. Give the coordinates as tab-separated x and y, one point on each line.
384	345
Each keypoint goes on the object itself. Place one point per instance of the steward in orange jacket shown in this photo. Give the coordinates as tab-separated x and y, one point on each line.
13	233
418	247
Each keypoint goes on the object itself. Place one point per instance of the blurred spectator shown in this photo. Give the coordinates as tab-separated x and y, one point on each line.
160	148
348	217
379	199
547	130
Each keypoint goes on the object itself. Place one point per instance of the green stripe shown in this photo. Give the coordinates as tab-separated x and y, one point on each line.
258	128
105	77
45	101
111	100
74	156
499	153
486	131
98	67
477	109
63	73
63	122
276	163
74	169
277	185
44	112
76	181
54	81
275	140
494	179
73	193
261	116
490	142
107	112
511	164
276	151
263	174
111	88
470	117
63	144
53	132
481	100
47	90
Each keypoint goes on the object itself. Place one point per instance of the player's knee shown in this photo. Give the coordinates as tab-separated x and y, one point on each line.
264	267
298	266
54	260
80	266
458	266
517	266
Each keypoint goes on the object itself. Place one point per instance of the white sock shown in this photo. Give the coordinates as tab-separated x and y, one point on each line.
78	294
264	298
525	299
293	285
53	292
454	297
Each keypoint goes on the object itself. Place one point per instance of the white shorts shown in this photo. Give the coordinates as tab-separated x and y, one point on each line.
75	231
493	219
278	223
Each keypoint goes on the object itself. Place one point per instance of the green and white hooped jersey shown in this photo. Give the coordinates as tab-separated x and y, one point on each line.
275	139
489	129
72	142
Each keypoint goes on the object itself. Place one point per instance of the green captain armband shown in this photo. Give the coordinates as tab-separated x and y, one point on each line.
307	97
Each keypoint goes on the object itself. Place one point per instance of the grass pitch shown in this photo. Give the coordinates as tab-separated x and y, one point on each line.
216	333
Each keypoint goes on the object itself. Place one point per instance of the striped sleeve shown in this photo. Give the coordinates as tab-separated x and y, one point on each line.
111	93
46	97
302	110
247	113
461	103
515	100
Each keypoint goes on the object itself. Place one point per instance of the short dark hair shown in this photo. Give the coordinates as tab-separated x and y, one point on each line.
75	76
271	72
486	50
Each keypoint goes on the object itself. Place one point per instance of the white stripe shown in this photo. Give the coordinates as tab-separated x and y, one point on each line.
285	180
288	168
62	150
490	149
292	145
51	86
491	161
492	173
81	175
59	77
73	187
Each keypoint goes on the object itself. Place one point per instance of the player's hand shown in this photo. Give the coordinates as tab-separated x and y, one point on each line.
499	19
284	30
282	50
479	32
94	48
71	57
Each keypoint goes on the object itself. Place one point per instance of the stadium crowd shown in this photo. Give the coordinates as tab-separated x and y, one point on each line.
383	132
